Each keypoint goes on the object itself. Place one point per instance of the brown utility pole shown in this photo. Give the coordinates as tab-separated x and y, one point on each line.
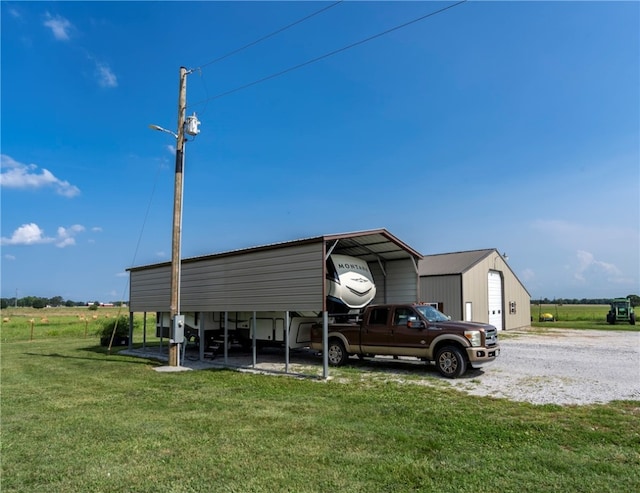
174	344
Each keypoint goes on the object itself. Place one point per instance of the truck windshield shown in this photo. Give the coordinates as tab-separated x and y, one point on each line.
431	314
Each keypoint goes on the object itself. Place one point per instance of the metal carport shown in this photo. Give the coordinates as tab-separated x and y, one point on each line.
287	276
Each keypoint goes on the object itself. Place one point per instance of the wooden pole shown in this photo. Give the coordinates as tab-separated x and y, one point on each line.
177	218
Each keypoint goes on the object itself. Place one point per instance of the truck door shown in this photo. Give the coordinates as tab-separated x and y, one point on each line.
376	329
405	336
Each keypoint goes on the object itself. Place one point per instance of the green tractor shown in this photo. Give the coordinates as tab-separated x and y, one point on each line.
621	311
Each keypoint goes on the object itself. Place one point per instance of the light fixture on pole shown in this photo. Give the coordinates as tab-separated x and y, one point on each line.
160	129
189	126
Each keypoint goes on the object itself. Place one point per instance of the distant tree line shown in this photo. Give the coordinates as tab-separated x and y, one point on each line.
634	298
38	302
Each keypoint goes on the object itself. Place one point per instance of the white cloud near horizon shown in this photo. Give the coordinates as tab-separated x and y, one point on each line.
587	260
598	256
32	234
24	176
59	26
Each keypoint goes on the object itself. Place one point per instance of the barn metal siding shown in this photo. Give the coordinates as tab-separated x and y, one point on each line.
475	289
443	289
277	279
514	292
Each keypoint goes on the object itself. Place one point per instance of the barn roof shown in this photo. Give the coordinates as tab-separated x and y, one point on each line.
452	263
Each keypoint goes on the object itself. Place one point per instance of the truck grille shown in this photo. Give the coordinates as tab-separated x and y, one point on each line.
491	337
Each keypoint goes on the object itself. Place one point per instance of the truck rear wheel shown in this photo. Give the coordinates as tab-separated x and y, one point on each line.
336	353
450	362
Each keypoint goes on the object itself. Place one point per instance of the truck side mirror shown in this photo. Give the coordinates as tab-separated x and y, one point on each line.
414	322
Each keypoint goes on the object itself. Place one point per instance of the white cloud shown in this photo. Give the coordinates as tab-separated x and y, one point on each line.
96	229
32	234
27	234
60	27
9	257
597	272
66	236
21	176
106	77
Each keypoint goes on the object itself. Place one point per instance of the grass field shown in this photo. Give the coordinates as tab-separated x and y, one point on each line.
577	317
77	419
20	324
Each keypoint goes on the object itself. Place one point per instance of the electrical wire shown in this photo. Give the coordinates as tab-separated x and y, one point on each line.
135	254
327	55
278	31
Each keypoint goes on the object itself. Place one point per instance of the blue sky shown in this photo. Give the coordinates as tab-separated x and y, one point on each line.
508	125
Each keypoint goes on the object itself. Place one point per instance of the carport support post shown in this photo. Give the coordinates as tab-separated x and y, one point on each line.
286	342
226	337
325	344
254	339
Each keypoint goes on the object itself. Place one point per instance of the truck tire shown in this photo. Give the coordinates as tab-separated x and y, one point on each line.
336	353
450	362
632	319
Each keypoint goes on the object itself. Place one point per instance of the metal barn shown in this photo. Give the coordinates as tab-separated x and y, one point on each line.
476	286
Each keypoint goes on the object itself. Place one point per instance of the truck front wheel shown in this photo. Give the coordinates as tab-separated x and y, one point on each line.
450	362
337	354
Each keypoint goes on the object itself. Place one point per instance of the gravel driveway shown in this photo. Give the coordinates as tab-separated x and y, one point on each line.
561	366
557	366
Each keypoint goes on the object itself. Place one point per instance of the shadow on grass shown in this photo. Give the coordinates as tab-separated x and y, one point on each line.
102	351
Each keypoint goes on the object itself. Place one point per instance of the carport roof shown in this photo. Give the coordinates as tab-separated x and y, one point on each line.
369	245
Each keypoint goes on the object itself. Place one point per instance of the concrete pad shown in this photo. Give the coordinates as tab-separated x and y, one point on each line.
171	369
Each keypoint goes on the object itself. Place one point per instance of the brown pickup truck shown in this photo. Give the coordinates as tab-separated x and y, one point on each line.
417	330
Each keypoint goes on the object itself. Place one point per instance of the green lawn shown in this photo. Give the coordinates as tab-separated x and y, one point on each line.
77	420
577	317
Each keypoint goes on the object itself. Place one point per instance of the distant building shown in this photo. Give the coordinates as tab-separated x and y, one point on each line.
475	285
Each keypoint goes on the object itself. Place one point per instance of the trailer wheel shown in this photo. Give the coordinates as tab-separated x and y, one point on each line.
336	354
450	362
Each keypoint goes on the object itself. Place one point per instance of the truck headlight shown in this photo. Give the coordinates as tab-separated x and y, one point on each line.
474	337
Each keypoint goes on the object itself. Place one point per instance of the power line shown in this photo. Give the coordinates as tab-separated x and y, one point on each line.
327	55
238	50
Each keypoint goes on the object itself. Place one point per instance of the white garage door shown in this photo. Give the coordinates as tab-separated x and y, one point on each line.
495	299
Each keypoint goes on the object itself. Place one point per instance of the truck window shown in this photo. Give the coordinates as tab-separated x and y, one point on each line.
402	315
379	316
